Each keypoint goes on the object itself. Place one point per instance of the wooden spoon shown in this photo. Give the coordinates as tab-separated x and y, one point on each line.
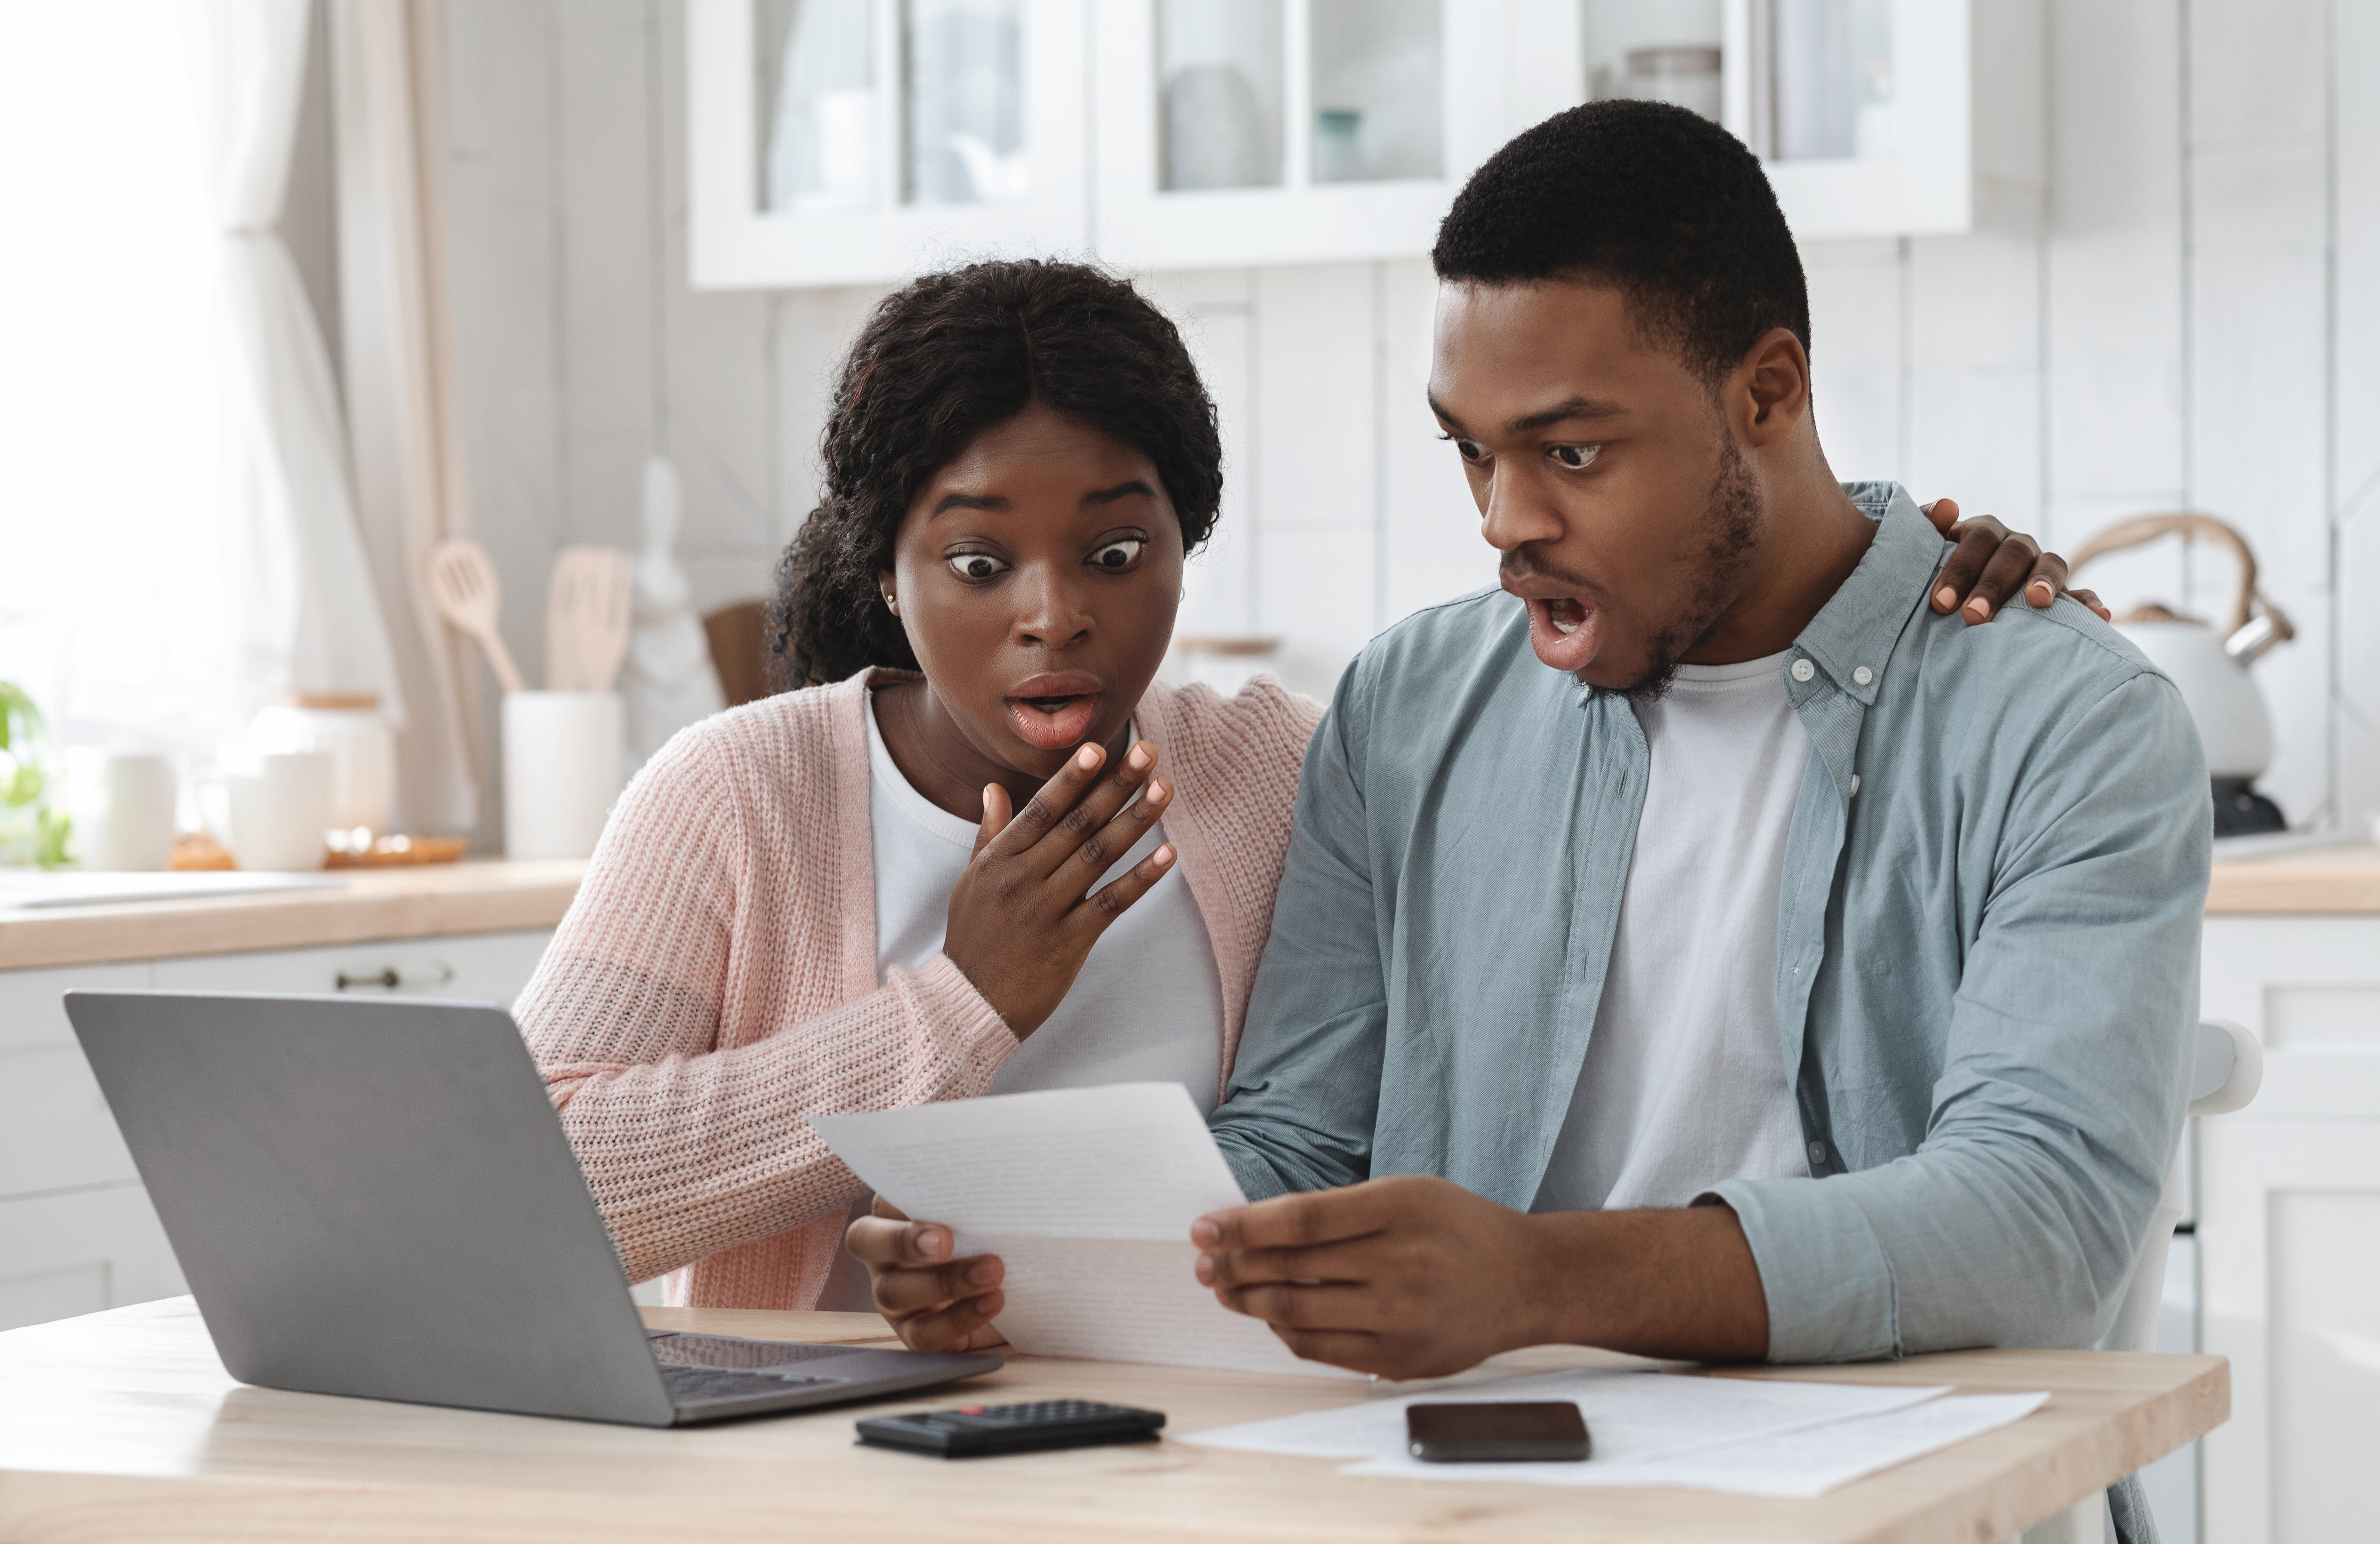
462	581
587	618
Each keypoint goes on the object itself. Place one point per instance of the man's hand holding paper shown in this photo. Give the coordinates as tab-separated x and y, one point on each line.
1362	1275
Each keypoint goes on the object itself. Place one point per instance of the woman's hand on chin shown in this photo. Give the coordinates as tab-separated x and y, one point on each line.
933	1302
1024	917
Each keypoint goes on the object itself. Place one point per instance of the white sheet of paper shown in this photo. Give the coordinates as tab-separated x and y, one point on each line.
1807	1462
1633	1418
1087	1195
1750	1436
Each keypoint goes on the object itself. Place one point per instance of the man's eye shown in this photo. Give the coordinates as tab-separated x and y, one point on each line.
977	565
1575	458
1470	450
1119	555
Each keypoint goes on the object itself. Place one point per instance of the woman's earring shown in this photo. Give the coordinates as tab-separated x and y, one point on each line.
890	605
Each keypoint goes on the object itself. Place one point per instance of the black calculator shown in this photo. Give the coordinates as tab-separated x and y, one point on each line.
979	1431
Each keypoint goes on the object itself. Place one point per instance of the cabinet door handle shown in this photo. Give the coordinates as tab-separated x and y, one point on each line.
413	976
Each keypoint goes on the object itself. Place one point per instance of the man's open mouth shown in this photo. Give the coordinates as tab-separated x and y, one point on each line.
1566	632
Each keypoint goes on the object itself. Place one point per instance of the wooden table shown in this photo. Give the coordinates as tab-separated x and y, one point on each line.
124	1426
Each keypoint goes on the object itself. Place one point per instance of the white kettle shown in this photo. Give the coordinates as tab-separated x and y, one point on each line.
2211	668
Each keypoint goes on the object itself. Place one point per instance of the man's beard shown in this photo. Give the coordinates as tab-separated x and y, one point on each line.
1732	530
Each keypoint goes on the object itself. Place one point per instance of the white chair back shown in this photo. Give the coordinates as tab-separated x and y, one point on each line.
2228	1068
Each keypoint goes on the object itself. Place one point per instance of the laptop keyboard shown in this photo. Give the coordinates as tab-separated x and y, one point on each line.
709	1385
726	1351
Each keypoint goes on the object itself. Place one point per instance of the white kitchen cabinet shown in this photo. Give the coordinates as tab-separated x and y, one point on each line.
847	142
77	1231
832	143
2289	1234
1231	132
1889	117
489	968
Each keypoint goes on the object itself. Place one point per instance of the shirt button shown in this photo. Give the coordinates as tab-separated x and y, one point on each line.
1817	1153
1804	670
1862	675
1855	783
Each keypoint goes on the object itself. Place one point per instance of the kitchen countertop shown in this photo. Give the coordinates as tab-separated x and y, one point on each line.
498	896
2340	878
431	901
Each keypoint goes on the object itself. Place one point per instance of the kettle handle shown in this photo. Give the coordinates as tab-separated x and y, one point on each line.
2148	528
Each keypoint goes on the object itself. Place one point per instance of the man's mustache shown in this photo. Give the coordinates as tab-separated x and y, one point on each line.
1522	564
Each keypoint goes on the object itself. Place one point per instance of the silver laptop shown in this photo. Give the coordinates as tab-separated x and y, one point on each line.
375	1198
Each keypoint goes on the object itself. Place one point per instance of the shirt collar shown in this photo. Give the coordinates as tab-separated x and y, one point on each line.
1857	630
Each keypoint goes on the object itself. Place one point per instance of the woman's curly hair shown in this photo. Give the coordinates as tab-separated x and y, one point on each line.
941	361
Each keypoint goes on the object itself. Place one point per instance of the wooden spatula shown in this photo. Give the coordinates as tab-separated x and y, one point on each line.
587	618
462	582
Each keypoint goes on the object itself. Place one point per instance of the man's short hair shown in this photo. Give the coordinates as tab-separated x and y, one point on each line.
1664	206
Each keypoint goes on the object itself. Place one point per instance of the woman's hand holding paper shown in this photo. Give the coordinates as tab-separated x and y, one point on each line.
933	1302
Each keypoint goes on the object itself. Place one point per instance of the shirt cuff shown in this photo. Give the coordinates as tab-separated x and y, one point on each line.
1831	1296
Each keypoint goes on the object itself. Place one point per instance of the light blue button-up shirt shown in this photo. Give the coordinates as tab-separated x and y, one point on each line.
1986	948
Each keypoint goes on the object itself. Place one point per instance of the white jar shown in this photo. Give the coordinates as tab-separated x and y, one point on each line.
361	746
123	806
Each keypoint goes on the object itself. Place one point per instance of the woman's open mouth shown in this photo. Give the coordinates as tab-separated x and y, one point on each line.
1054	711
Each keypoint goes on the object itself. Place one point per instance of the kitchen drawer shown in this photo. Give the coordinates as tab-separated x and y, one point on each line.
2308	988
484	967
55	1132
79	1253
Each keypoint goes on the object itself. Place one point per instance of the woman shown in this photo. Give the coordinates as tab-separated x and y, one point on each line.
952	859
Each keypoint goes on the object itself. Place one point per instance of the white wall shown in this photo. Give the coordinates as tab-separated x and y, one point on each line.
2198	327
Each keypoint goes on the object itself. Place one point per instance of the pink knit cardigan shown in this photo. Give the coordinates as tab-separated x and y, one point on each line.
714	984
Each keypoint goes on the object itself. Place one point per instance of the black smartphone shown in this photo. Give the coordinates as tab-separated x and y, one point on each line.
982	1430
1544	1431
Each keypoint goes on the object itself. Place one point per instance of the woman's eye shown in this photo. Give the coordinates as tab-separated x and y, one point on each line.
1575	458
977	565
1119	555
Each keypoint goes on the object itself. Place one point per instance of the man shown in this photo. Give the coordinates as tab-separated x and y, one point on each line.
1719	953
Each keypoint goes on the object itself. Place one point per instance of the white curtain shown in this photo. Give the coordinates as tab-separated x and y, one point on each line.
388	63
309	615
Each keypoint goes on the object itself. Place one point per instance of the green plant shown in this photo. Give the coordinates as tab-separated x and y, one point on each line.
31	830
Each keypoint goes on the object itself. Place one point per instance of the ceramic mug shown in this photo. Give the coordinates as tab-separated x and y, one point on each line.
271	808
121	802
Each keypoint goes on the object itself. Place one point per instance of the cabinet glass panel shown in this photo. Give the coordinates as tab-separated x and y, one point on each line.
1654	51
1821	80
1377	66
1219	80
820	127
966	110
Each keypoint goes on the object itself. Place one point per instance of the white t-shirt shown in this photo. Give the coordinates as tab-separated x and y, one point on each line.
1148	1006
1684	1082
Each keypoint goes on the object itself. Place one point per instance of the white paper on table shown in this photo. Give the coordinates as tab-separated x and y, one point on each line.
1087	1195
1644	1427
1817	1459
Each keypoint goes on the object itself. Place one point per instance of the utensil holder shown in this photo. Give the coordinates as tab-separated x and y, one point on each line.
561	770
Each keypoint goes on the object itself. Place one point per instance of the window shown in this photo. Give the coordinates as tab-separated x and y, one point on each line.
122	597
